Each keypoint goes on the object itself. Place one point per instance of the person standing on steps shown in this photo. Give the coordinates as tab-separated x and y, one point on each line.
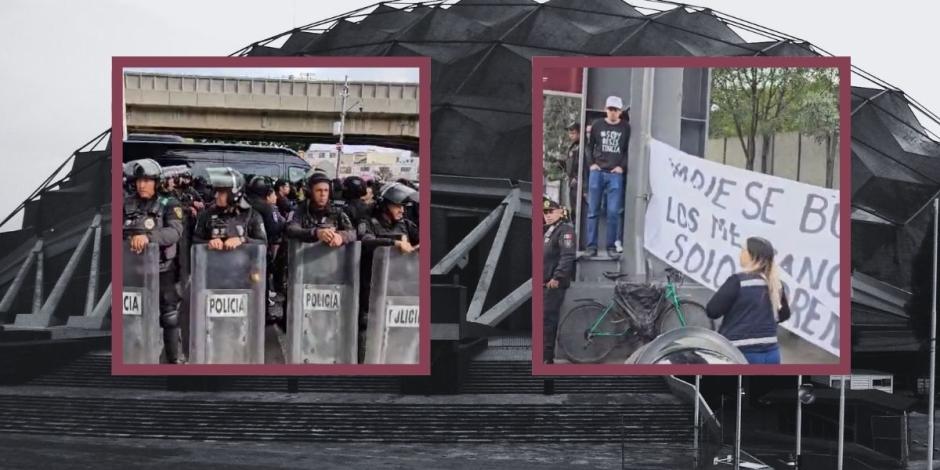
607	156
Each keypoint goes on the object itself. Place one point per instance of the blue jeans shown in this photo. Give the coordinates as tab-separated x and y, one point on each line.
770	356
611	186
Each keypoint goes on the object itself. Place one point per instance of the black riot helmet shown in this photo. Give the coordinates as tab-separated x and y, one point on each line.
396	193
143	168
354	187
314	177
260	186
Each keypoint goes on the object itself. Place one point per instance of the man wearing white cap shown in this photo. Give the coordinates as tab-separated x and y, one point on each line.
607	155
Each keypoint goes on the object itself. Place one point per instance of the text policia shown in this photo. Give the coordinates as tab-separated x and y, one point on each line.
701	213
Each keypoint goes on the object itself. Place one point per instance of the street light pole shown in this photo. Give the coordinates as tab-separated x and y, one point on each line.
841	421
342	124
799	419
933	340
695	418
737	429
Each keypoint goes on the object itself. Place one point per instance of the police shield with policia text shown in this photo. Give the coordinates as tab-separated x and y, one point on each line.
152	218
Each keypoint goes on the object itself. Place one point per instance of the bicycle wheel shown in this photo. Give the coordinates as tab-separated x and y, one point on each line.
573	332
693	312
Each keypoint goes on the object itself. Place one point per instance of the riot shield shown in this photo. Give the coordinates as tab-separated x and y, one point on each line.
143	338
227	299
393	329
323	303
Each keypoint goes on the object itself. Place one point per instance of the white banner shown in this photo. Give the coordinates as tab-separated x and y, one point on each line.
701	212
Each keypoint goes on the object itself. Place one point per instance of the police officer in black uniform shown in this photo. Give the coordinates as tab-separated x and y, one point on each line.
316	219
557	270
262	197
229	221
152	218
356	208
572	167
177	183
387	226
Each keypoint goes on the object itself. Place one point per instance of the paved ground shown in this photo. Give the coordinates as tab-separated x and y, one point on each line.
31	452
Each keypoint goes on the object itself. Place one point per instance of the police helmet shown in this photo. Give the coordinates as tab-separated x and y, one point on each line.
314	177
226	178
260	186
175	171
396	193
354	187
143	168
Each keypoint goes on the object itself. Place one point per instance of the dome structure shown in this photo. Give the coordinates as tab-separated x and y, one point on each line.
481	78
481	51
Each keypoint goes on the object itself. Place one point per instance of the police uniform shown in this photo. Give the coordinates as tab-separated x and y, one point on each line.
558	264
571	169
308	218
227	222
161	219
380	231
357	210
187	196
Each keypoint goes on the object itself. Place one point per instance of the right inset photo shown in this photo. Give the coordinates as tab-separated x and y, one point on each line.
691	215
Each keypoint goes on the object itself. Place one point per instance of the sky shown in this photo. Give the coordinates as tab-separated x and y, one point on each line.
56	59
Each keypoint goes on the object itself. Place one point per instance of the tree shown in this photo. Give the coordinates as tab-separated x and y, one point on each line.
818	115
558	112
751	103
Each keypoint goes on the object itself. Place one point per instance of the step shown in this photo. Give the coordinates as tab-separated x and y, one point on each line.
336	422
516	377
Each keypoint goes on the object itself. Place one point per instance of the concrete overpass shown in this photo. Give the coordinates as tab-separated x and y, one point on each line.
270	109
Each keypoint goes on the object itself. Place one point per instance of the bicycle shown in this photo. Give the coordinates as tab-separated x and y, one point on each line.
590	331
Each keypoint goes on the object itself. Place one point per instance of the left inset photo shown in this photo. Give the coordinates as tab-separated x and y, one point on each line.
270	212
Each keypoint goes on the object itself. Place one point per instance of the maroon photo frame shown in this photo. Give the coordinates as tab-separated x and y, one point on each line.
423	367
843	367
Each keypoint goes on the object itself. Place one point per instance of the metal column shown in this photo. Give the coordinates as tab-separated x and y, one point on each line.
933	340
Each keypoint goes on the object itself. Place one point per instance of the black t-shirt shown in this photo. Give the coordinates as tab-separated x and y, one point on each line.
608	148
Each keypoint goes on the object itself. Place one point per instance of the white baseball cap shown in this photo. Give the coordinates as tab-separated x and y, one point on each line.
614	102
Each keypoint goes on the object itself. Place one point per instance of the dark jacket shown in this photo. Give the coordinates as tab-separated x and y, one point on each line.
608	145
285	206
558	253
571	162
307	220
274	223
380	231
357	210
744	302
160	218
215	222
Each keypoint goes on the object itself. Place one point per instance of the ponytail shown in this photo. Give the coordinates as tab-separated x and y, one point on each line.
772	276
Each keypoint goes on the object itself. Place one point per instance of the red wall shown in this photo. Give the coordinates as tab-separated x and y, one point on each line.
562	79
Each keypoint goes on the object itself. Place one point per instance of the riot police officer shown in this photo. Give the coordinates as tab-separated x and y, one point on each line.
150	218
354	189
229	221
557	271
263	200
316	219
388	225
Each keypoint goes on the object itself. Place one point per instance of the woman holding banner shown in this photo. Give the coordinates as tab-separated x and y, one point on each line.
752	303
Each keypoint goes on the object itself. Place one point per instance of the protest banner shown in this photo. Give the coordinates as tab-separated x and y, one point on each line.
701	212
